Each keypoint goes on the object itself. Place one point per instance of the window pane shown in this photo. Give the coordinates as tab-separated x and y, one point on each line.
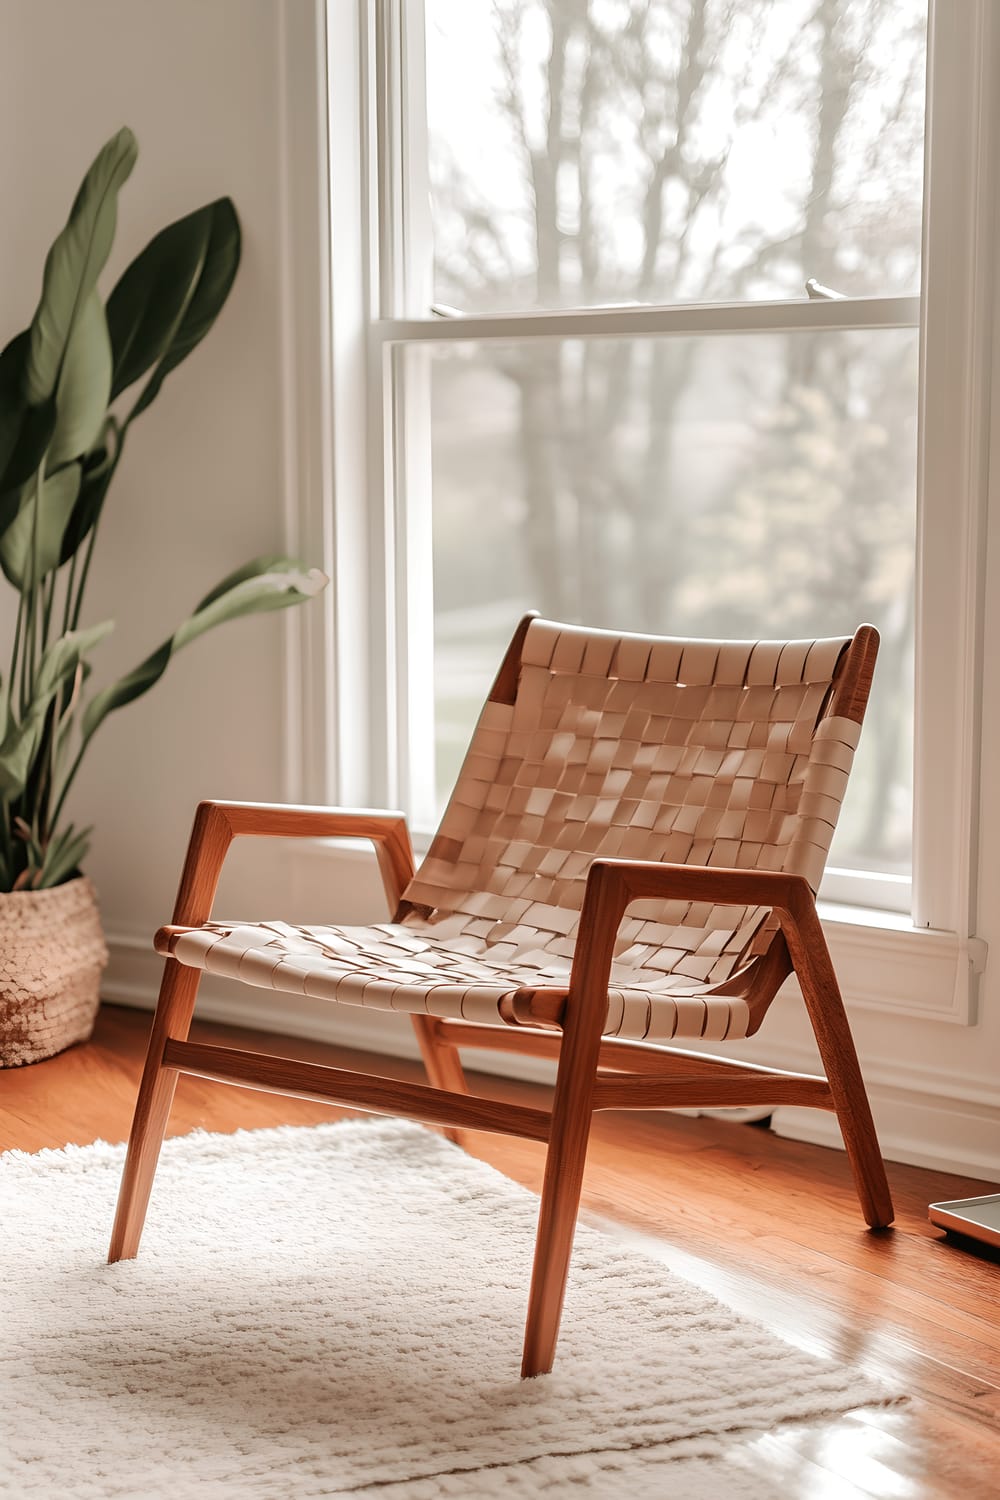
756	486
593	151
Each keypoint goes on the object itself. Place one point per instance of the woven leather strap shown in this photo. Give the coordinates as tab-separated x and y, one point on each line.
595	745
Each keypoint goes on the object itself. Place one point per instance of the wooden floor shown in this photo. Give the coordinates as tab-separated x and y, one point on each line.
769	1225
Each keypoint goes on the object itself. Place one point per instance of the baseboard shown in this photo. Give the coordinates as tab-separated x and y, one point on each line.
924	1118
941	1136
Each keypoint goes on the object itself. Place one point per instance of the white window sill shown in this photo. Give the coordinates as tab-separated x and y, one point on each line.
850	915
885	963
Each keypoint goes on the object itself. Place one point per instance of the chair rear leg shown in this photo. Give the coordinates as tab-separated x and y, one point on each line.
443	1065
149	1123
825	1005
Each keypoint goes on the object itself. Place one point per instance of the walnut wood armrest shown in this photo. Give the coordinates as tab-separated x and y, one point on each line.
613	884
216	824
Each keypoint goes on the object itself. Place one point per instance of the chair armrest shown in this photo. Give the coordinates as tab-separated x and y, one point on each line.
216	824
639	879
613	884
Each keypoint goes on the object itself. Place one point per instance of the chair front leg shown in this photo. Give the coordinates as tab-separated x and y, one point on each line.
156	1094
563	1182
572	1110
211	835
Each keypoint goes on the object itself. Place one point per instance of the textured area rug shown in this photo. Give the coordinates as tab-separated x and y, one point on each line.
338	1310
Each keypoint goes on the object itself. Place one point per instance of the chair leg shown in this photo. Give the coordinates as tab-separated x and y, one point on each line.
443	1065
156	1092
825	1005
561	1188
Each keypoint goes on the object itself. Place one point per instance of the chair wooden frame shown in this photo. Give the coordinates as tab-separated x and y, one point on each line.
593	1072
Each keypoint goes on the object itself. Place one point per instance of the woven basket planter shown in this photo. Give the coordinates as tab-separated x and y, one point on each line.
52	952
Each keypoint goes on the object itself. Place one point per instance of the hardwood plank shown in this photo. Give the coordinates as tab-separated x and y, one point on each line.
812	1462
898	1454
833	1316
940	1454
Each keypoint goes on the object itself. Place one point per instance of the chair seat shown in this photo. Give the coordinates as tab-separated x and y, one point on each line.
437	968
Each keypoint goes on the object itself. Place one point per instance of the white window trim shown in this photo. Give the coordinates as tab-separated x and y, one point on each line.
959	258
357	653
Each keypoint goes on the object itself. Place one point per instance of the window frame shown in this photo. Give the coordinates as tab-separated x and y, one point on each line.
381	604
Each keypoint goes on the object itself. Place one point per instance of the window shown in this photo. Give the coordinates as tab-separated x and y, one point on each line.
590	344
620	403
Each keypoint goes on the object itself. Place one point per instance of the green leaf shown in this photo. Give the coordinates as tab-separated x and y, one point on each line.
276	587
98	468
206	293
10	504
147	304
21	742
74	263
84	385
25	431
63	856
63	657
273	562
12	402
20	551
126	689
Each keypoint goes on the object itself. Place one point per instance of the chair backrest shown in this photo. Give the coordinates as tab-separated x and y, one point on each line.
598	745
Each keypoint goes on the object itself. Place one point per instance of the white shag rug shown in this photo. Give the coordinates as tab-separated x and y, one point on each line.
338	1310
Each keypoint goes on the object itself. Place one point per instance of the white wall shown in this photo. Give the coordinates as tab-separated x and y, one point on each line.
204	485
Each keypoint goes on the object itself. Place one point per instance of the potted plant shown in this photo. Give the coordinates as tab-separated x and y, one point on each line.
71	386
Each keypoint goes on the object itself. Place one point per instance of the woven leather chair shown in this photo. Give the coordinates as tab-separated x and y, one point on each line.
630	856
